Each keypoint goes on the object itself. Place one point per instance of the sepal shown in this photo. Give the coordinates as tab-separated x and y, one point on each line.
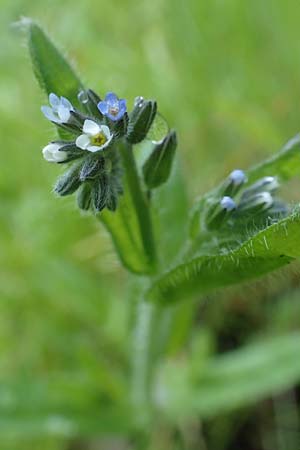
69	182
99	192
92	167
71	150
84	196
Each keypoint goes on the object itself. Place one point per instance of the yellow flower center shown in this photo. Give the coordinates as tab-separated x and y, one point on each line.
99	139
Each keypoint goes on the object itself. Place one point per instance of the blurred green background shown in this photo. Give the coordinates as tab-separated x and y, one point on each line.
226	75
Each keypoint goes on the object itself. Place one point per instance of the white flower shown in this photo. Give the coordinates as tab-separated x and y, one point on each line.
52	153
59	111
95	137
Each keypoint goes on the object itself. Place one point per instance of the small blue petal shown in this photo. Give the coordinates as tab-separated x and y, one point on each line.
227	203
111	98
66	103
53	99
103	107
122	105
49	114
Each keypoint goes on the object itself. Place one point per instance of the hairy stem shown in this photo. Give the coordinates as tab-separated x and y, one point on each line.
142	361
140	202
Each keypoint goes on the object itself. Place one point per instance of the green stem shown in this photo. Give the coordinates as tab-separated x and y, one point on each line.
142	362
140	202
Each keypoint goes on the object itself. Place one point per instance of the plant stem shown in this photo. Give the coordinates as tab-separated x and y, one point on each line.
140	202
142	361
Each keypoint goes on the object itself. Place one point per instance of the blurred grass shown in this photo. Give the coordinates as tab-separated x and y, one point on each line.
225	74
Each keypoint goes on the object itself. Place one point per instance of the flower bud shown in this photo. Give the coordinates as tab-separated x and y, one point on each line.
84	196
69	182
100	192
222	212
256	204
266	184
92	167
234	183
140	120
53	153
227	203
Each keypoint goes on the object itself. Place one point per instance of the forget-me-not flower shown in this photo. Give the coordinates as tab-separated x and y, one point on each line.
112	107
95	137
59	110
52	153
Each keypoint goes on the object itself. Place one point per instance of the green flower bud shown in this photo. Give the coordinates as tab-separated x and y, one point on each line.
222	212
69	182
100	192
265	184
84	196
140	120
256	204
92	167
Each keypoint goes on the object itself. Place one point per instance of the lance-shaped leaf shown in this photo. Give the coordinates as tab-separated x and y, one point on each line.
236	379
270	249
158	166
285	164
52	70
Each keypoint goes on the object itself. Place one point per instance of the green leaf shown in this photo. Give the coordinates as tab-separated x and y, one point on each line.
170	239
266	251
236	379
52	70
285	164
157	168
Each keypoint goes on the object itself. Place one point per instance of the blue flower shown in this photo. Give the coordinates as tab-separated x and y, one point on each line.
228	203
59	110
112	107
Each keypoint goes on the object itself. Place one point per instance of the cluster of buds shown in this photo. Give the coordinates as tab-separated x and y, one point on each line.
233	203
91	149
